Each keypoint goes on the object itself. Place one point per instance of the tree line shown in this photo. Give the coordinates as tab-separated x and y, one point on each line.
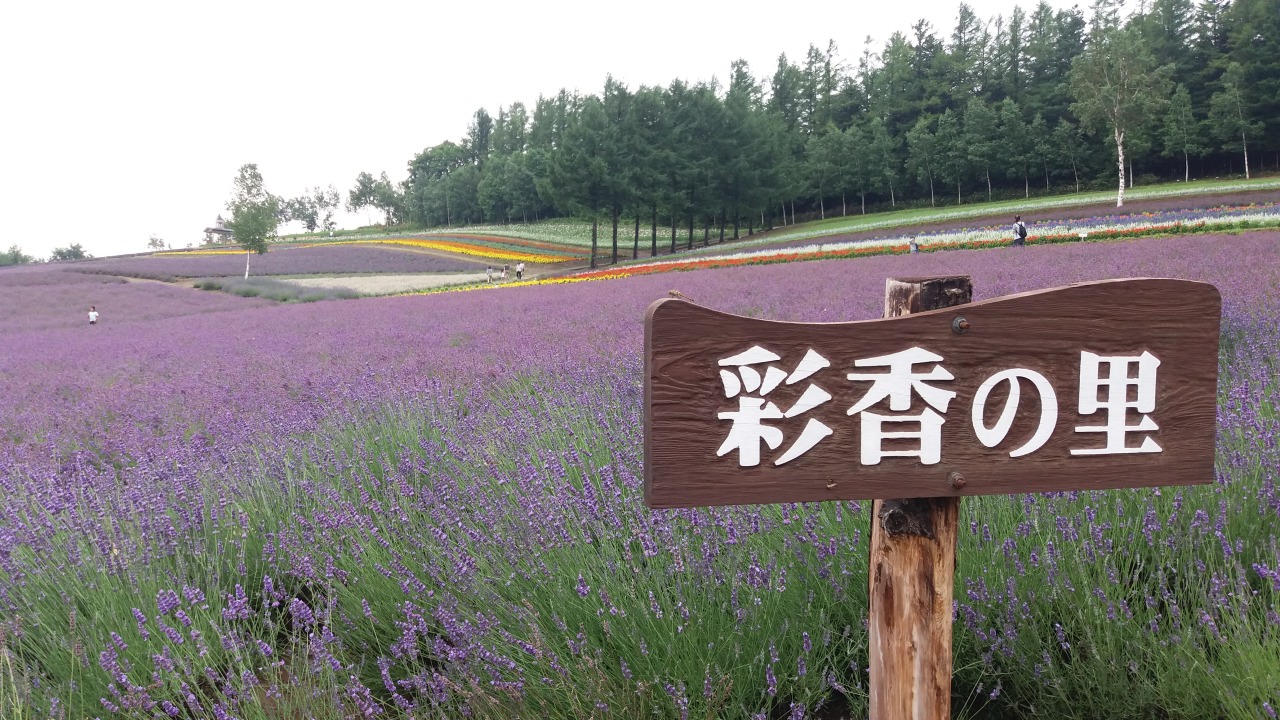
1049	100
15	256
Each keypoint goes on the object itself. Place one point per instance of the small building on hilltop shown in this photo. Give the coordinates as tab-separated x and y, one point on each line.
217	234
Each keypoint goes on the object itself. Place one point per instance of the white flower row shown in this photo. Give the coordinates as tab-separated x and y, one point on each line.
953	238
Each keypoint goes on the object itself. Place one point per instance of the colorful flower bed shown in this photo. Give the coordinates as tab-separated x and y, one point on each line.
579	232
488	251
552	232
197	253
507	240
1096	229
1066	219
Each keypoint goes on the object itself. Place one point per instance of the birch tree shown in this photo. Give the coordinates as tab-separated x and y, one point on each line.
1117	87
1228	116
255	213
1181	130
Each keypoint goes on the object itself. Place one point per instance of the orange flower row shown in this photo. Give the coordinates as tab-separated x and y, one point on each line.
463	249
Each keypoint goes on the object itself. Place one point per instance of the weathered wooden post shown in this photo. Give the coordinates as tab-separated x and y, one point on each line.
913	562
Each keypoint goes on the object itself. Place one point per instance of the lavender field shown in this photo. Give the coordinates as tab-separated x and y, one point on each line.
430	507
282	260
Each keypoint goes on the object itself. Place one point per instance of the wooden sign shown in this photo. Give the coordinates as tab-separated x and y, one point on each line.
1100	385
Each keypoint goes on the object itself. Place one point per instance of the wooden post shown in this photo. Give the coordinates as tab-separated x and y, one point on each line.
913	562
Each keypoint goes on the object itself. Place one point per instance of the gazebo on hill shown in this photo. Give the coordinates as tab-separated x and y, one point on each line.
218	233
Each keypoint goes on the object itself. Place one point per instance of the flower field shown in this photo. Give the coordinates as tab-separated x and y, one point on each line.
554	248
887	225
489	247
1111	227
445	254
430	506
282	260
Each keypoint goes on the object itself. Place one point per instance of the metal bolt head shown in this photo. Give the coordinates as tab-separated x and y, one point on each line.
959	325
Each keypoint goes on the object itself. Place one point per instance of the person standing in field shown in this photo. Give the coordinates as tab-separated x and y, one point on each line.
488	274
519	270
1019	231
93	314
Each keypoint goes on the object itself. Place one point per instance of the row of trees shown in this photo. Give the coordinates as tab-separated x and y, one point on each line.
15	256
257	213
1046	100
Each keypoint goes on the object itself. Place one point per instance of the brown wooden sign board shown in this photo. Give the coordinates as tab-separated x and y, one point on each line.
1099	385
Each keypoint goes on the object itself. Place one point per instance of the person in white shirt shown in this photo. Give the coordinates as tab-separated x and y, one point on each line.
93	315
1019	231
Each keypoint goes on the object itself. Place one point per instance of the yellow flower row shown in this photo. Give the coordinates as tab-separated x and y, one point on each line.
463	249
442	245
561	280
188	253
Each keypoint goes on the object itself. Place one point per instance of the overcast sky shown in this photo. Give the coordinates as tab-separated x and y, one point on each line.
123	120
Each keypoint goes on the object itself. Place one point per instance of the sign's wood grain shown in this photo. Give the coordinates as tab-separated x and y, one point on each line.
912	565
1044	332
909	631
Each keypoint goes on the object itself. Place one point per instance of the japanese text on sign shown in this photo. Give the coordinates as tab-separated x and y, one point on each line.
917	377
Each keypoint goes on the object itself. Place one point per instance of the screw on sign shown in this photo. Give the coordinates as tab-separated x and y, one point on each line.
1093	386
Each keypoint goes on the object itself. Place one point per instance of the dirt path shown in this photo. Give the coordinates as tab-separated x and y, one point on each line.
391	284
386	284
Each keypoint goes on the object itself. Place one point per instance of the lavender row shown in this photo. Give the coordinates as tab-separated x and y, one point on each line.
286	260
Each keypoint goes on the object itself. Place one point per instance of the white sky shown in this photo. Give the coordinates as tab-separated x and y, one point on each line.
122	120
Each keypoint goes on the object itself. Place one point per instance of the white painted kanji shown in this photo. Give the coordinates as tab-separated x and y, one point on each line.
993	436
897	384
748	431
1110	386
1109	392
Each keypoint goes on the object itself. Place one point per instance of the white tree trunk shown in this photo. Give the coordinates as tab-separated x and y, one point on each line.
1244	143
246	264
1120	165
